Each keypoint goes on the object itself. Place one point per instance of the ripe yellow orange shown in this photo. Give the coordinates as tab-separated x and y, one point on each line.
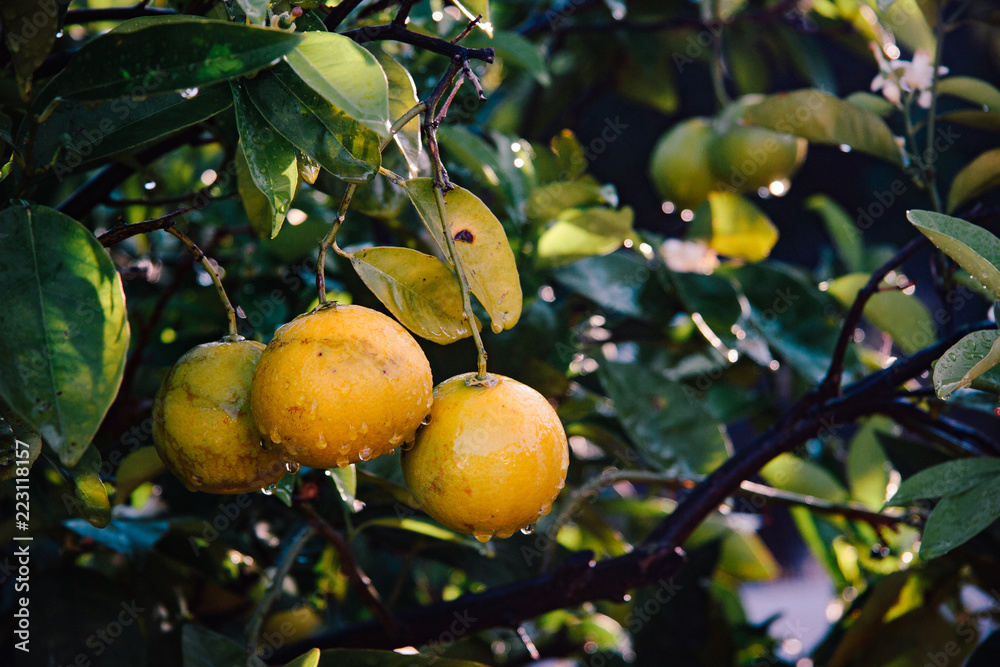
679	166
202	426
340	385
490	460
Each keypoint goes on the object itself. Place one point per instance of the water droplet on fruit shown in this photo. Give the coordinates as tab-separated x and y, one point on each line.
292	467
275	436
407	446
365	454
396	439
364	427
343	461
546	508
321	441
269	489
197	481
483	536
561	484
528	530
344	448
430	402
352	433
426	420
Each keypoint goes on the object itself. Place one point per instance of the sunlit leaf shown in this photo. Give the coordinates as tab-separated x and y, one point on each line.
402	98
256	204
84	477
867	466
975	249
65	331
127	63
584	232
946	479
140	466
976	178
822	118
971	89
270	160
345	480
956	519
421	291
427	528
792	473
346	75
481	245
903	316
20	444
739	228
970	361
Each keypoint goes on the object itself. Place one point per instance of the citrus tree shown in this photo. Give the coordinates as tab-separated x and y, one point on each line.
393	332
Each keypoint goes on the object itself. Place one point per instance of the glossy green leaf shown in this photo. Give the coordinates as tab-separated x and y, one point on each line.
471	150
903	316
739	228
66	333
256	204
612	281
402	98
78	135
20	444
976	178
825	119
867	466
345	480
958	518
843	232
666	420
425	527
420	290
130	63
270	160
139	467
582	232
514	49
547	202
29	31
970	361
481	245
202	647
791	473
91	500
877	104
971	89
340	657
339	143
975	249
255	10
946	479
346	75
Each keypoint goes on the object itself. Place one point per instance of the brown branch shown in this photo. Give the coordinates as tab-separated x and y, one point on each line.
121	232
398	33
970	441
362	584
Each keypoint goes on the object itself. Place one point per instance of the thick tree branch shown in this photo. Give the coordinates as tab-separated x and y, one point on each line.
399	33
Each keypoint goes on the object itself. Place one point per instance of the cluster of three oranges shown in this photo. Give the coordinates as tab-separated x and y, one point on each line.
344	384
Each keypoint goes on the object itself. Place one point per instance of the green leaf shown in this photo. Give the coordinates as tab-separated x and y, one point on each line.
946	479
128	63
570	155
746	557
284	489
29	30
666	420
78	135
20	444
345	480
255	203
66	333
340	657
428	528
309	659
612	281
867	466
739	228
91	497
975	249
825	119
903	316
202	647
843	232
346	75
140	466
967	361
420	290
971	89
981	120
402	98
547	202
976	178
514	49
270	160
339	143
481	245
877	104
585	232
255	10
958	518
791	473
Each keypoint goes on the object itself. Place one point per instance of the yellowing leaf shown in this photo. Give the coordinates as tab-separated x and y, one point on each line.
481	245
585	232
402	98
740	229
977	177
903	316
421	291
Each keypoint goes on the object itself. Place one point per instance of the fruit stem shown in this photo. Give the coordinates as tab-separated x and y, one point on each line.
463	281
212	271
401	122
274	588
331	240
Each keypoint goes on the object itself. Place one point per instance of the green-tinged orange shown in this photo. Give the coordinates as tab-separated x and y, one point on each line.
748	158
491	459
340	385
680	168
202	426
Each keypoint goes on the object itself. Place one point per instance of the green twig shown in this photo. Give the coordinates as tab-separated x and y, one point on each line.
331	240
212	271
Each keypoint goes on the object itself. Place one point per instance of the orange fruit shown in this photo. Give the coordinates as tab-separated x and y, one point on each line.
679	166
340	385
490	460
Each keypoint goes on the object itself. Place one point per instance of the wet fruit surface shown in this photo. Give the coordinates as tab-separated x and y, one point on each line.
491	460
202	426
341	385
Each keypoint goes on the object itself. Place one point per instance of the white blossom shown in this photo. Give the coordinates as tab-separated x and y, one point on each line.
915	77
689	256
